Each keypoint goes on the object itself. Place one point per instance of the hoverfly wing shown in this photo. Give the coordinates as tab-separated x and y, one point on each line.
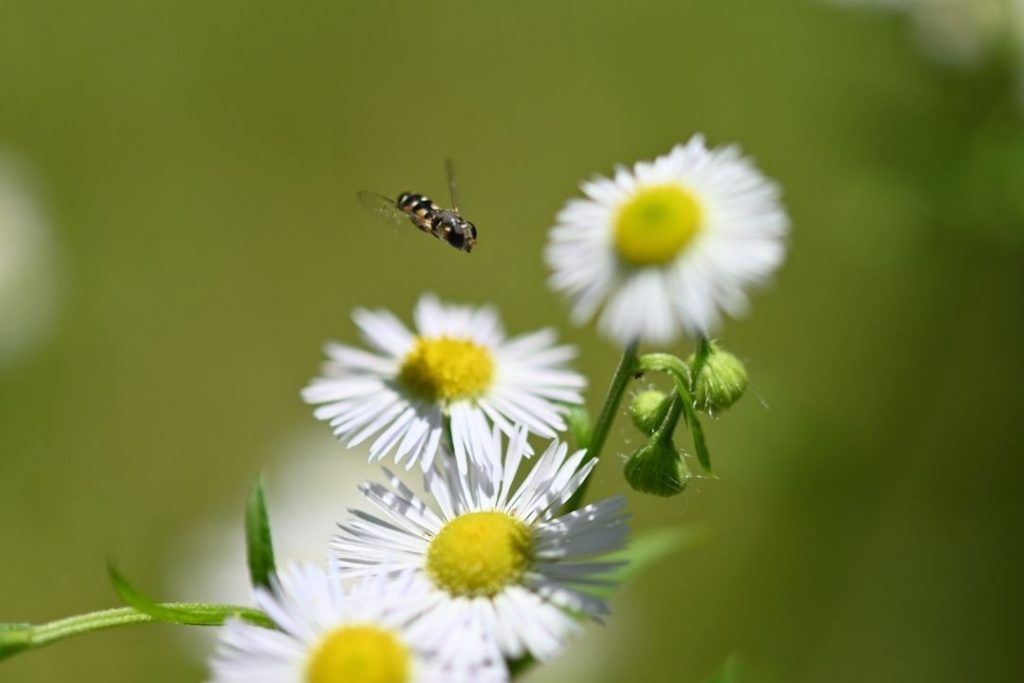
449	167
384	208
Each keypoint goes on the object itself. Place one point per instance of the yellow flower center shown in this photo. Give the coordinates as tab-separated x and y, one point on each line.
479	553
447	369
656	224
359	654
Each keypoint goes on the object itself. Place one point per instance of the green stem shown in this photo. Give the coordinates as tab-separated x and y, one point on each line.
669	364
668	425
699	359
620	380
22	637
446	434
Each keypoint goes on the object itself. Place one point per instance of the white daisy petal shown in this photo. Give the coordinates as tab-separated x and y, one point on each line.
393	434
359	360
383	331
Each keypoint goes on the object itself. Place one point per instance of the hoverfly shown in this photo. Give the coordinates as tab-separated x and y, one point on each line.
444	224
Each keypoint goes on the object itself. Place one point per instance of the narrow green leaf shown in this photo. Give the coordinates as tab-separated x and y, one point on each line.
14	638
518	667
697	434
729	672
171	615
258	543
646	550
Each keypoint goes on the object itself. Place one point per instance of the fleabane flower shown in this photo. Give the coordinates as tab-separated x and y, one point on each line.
459	365
494	553
327	634
961	31
668	246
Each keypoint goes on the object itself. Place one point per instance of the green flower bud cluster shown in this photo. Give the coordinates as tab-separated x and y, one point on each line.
709	381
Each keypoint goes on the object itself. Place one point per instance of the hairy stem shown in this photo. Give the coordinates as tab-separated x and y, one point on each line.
17	638
620	380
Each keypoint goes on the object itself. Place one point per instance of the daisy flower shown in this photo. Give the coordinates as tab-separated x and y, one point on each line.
493	553
327	634
960	31
457	367
31	272
668	246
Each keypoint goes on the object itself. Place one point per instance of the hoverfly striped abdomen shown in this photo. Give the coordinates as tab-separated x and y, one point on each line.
420	208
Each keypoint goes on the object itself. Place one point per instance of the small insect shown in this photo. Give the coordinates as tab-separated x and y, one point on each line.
444	224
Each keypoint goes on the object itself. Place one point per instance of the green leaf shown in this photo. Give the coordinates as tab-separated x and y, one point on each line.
729	672
258	543
517	667
646	550
171	615
581	427
14	638
697	434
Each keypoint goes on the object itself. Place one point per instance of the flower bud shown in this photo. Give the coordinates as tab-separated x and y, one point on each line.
648	409
721	382
657	468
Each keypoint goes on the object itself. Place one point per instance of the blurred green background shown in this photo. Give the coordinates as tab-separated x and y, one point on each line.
197	163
